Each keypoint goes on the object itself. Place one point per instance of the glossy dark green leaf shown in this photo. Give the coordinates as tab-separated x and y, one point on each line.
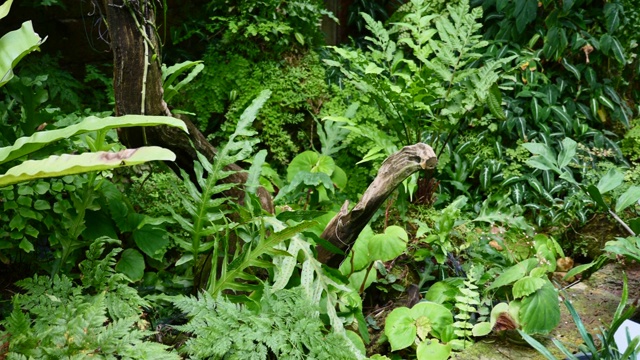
612	13
595	194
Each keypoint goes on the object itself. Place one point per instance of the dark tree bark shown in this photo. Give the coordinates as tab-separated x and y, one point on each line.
137	83
345	227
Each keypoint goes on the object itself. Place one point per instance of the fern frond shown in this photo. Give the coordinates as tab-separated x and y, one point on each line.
206	200
236	278
286	324
313	280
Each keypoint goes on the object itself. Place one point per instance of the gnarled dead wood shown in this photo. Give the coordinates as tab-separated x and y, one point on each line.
345	227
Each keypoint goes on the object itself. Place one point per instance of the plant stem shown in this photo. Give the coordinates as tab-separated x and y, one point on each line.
624	225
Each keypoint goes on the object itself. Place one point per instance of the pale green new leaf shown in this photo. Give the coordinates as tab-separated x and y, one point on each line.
628	198
27	145
14	46
611	180
75	164
4	8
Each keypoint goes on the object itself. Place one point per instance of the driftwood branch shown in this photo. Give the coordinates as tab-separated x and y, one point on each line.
345	227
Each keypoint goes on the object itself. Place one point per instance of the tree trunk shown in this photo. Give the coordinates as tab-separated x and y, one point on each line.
345	227
137	83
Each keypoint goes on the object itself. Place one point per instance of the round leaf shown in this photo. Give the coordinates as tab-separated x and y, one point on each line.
400	328
527	286
389	245
481	329
310	161
439	315
433	350
131	264
540	312
339	177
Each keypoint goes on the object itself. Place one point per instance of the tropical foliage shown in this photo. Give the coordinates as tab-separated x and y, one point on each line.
529	105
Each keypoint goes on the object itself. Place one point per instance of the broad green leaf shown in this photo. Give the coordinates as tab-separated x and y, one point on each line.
630	197
514	273
606	102
27	145
525	12
481	329
542	150
527	286
547	256
359	254
572	69
357	341
433	350
153	241
611	180
361	280
339	177
442	291
14	46
540	312
618	51
562	115
612	12
439	316
389	245
373	69
75	164
567	153
400	328
310	161
578	269
131	264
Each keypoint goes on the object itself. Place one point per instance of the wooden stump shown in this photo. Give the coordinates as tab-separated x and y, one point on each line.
345	227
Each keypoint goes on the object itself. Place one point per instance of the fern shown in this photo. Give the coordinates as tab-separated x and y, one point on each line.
425	72
205	203
285	324
318	287
466	304
56	319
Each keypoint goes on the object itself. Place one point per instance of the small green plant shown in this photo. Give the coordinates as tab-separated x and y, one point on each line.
428	324
284	323
312	174
56	318
610	181
608	349
208	214
370	248
527	282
